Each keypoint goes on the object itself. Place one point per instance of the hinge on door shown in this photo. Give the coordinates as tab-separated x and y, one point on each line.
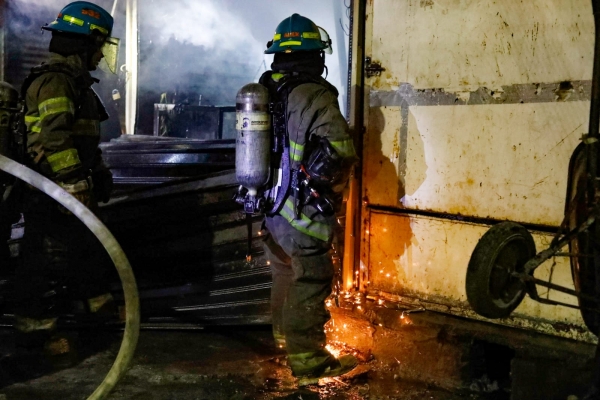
372	68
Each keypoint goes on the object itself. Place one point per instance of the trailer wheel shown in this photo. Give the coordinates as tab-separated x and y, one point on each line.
491	290
583	267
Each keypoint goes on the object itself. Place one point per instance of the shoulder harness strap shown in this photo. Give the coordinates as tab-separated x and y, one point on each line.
279	89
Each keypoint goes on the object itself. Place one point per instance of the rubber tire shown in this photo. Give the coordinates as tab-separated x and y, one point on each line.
491	292
583	269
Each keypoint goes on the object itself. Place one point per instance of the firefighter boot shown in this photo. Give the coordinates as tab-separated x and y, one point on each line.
61	350
38	338
310	367
26	361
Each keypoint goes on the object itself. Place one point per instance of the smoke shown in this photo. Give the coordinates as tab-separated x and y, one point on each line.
216	46
200	23
197	47
187	48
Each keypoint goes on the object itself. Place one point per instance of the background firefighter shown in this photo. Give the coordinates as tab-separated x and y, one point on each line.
300	230
63	263
10	109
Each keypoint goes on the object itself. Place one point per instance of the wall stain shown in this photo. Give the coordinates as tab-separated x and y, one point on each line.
426	3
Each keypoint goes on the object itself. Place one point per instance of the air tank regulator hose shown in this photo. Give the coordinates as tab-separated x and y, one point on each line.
132	302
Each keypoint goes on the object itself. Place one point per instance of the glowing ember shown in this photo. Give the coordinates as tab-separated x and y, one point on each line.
334	351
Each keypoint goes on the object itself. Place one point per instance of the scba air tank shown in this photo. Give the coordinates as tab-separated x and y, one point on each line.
253	144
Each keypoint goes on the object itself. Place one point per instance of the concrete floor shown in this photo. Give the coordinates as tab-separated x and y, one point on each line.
437	357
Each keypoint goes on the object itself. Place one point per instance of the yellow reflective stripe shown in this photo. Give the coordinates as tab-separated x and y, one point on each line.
33	123
73	20
304	224
86	127
297	151
55	105
311	35
25	324
101	29
291	43
96	303
277	76
63	159
345	148
277	37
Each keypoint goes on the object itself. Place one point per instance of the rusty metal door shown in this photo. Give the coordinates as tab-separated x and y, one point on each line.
472	111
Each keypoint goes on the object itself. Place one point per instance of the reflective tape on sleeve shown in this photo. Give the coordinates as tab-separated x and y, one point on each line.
345	148
296	151
33	123
63	159
55	105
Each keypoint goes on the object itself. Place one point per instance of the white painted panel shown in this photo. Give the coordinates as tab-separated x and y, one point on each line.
427	258
500	161
464	44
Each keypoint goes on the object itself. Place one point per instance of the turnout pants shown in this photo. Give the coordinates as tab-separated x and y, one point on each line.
302	278
62	260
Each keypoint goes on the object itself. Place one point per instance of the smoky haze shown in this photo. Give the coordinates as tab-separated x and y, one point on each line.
201	51
213	47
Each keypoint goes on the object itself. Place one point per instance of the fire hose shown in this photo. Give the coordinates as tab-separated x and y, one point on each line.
108	241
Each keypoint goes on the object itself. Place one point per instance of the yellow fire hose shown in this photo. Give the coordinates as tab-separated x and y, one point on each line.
132	302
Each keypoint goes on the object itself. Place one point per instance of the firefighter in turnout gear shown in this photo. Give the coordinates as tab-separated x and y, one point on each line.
63	263
10	110
319	156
